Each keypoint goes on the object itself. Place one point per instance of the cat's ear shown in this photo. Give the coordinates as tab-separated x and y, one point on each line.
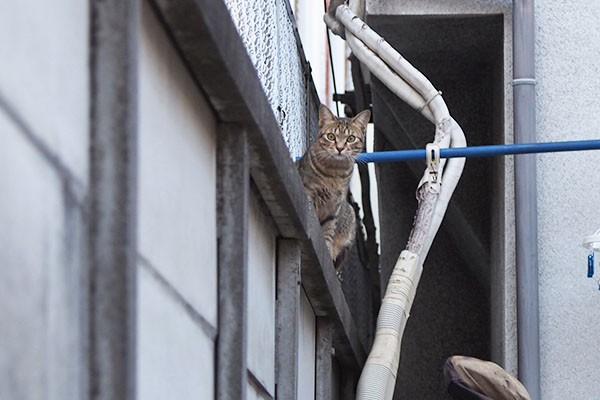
325	116
362	119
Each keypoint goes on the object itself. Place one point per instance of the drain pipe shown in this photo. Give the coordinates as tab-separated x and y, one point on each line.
526	197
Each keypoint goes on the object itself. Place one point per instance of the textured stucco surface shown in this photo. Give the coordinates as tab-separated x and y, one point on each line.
268	34
567	49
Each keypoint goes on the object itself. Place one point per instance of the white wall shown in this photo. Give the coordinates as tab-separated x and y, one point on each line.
44	150
267	32
46	79
567	49
306	349
176	224
43	175
177	204
261	296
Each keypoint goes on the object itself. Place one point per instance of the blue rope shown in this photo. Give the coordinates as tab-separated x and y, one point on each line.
481	151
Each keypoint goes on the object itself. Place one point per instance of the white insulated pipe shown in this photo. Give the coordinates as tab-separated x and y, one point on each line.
450	179
378	378
385	74
416	90
394	60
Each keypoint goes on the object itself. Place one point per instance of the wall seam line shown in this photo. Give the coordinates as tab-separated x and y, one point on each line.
75	185
209	329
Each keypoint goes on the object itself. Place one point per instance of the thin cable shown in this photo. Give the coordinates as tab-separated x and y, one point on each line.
337	107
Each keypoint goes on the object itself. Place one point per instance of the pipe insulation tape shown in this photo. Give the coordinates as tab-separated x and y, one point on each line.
381	366
381	383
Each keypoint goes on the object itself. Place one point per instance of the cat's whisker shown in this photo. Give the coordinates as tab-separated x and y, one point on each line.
361	162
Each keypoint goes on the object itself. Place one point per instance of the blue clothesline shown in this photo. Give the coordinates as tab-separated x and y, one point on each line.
481	151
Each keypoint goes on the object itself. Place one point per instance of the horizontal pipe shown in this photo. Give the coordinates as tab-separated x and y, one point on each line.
481	151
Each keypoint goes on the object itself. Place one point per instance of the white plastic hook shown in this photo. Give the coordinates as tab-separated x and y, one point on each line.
592	242
432	175
432	156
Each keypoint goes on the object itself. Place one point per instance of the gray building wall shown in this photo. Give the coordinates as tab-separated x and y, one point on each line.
267	31
44	125
44	175
44	170
177	225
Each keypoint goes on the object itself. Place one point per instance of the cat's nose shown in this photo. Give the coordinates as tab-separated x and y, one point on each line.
339	149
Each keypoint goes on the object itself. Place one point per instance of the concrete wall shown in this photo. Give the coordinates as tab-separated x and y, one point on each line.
44	177
261	298
178	135
44	173
267	32
177	281
306	350
261	309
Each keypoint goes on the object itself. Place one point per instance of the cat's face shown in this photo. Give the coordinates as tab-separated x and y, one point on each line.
342	138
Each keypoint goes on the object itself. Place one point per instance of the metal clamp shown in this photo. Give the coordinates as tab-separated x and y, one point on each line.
524	81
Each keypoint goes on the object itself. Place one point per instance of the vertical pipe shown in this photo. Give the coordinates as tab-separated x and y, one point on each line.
526	197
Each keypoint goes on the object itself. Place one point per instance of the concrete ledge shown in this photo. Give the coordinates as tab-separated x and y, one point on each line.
435	7
217	59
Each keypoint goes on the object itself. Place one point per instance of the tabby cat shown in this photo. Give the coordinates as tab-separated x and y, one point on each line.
326	168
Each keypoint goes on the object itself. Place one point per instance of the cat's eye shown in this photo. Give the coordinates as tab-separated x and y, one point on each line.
330	136
351	138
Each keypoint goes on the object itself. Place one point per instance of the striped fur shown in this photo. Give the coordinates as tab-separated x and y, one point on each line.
326	169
